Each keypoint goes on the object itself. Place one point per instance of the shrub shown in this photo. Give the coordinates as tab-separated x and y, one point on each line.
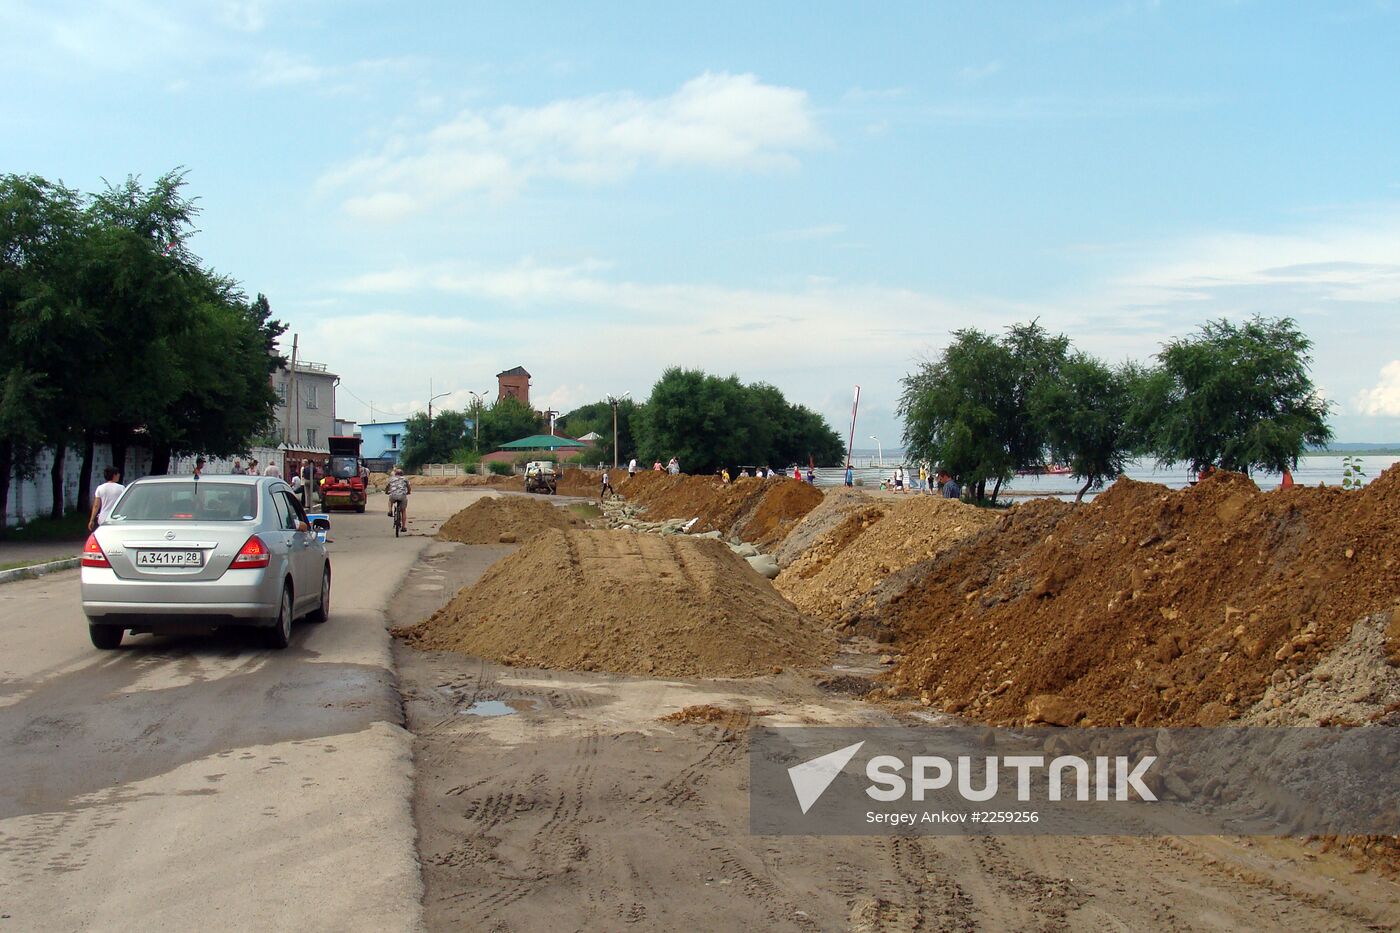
501	469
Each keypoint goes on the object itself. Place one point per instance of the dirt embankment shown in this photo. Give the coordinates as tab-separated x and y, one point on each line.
1149	606
872	543
627	603
758	511
378	480
504	519
836	505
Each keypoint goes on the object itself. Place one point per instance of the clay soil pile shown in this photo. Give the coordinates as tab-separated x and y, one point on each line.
379	480
1151	606
628	603
837	504
872	543
488	520
758	511
576	482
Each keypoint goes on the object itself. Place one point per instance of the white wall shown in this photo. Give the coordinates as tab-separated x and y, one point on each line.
31	498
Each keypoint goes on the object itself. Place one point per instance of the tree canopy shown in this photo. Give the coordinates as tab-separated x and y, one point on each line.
110	328
1234	396
440	442
708	421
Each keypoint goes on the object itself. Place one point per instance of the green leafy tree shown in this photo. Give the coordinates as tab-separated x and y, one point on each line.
443	441
708	422
46	353
1234	396
508	419
969	410
1084	413
597	416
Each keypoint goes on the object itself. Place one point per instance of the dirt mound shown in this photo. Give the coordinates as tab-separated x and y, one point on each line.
629	603
751	509
576	482
872	543
835	506
487	520
1149	606
378	480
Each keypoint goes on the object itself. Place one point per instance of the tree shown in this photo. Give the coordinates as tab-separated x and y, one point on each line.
707	422
1084	414
46	343
1234	396
508	419
968	411
597	416
441	442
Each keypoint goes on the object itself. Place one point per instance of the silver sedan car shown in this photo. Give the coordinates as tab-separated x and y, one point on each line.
222	550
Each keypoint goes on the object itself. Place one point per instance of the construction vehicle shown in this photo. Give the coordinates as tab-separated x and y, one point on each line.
343	486
540	476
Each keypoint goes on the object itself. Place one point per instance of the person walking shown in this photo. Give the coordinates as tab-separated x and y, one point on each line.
674	467
308	477
605	487
899	480
850	476
811	476
273	469
104	497
656	467
632	468
198	467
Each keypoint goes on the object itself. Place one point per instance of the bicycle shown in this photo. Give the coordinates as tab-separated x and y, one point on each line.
397	513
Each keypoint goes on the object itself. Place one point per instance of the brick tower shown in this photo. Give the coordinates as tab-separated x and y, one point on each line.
514	383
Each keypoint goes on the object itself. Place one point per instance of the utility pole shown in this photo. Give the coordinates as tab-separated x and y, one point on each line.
431	398
478	398
293	400
613	400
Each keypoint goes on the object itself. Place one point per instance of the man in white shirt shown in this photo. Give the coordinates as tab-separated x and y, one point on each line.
632	467
273	469
105	497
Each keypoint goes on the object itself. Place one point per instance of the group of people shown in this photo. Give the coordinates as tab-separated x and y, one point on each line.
927	482
238	469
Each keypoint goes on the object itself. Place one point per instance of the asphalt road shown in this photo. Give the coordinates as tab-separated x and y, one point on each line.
198	782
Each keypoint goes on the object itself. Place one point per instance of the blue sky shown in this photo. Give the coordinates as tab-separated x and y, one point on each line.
812	195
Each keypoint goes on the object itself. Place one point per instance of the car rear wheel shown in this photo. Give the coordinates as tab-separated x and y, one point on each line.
323	608
279	635
105	637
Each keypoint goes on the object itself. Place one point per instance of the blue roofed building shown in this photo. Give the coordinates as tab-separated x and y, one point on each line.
382	441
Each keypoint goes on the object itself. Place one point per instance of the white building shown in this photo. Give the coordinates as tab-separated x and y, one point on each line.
305	404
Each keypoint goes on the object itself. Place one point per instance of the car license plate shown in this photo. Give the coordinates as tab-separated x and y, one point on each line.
181	558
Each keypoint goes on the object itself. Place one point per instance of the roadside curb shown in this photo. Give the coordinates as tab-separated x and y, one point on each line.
37	570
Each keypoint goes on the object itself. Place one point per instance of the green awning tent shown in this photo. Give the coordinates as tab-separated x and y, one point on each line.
543	442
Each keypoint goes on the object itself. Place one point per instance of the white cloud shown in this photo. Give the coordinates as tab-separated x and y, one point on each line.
1382	399
974	73
816	232
712	121
243	15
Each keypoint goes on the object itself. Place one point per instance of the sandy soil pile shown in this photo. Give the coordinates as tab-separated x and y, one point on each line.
378	480
759	511
871	544
489	520
629	603
835	506
576	482
1148	606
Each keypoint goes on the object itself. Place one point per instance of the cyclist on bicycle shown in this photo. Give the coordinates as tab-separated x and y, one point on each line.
398	491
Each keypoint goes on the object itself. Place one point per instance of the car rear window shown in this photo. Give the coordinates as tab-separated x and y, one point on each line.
201	501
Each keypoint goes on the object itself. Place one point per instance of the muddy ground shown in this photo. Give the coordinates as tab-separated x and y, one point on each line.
577	808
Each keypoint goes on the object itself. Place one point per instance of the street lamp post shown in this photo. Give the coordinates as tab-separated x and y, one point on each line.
432	398
880	450
476	421
613	400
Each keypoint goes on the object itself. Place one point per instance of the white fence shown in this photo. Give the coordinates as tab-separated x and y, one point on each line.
32	497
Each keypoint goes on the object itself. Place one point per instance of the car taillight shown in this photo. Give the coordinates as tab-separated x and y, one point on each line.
93	555
251	556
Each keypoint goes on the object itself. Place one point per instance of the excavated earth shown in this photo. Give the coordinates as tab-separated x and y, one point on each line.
629	603
504	519
871	544
1149	606
758	511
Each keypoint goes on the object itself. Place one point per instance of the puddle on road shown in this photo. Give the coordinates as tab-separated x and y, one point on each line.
500	707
